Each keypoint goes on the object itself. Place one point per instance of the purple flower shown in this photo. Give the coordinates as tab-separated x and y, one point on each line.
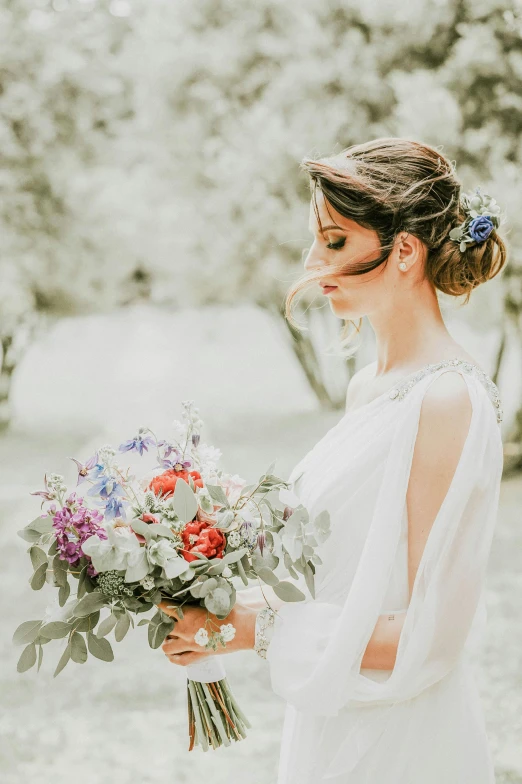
175	462
114	508
72	527
47	494
139	444
89	470
480	228
195	439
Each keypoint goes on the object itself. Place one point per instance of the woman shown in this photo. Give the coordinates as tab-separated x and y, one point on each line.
376	669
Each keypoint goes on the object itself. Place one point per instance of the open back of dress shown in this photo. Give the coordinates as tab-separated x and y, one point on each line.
422	721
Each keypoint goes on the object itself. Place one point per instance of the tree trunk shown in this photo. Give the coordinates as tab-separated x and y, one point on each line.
306	353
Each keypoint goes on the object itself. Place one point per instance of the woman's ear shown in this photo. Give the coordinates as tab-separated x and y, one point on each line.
408	249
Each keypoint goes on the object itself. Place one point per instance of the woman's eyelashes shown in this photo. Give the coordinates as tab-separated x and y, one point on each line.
336	245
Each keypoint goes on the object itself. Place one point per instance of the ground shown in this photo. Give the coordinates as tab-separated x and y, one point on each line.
125	722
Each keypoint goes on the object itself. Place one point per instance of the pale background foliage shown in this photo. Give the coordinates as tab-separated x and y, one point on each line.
152	217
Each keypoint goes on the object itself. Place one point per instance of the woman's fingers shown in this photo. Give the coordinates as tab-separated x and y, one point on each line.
189	657
177	645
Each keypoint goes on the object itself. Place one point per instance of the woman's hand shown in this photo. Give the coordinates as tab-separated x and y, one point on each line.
180	646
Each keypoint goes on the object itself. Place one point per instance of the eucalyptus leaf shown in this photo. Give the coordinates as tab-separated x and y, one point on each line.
99	647
27	658
66	655
122	627
53	549
44	525
309	579
56	630
184	502
144	622
88	623
218	495
107	625
40	657
218	601
234	555
63	594
78	649
38	556
90	603
29	535
38	578
27	632
145	529
288	592
163	530
268	576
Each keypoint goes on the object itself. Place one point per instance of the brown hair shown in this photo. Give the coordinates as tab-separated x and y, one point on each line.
392	185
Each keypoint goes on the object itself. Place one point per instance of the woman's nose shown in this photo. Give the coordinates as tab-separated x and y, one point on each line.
313	260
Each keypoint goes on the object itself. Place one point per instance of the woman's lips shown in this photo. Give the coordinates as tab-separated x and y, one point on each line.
328	289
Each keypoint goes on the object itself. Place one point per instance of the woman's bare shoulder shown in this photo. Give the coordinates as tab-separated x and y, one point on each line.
358	380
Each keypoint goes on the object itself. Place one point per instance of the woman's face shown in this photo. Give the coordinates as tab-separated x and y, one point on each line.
345	241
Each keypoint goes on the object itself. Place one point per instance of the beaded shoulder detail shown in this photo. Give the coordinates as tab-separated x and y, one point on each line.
402	389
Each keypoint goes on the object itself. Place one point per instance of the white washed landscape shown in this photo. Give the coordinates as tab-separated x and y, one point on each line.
126	721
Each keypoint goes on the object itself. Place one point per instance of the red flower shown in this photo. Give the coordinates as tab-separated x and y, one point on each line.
165	483
200	537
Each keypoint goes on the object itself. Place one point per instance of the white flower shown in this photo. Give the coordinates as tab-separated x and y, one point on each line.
234	539
228	632
233	485
209	455
163	553
179	431
106	454
121	550
201	637
147	583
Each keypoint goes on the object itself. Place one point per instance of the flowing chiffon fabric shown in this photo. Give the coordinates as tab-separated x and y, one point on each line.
421	722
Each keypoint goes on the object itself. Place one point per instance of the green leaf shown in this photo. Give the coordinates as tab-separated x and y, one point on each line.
88	623
78	649
63	594
44	525
100	647
184	502
66	655
90	603
268	576
309	579
139	527
60	571
27	632
144	622
27	659
456	233
29	535
53	549
163	530
38	578
218	601
234	555
288	592
40	657
218	495
38	556
56	630
107	625
122	627
157	633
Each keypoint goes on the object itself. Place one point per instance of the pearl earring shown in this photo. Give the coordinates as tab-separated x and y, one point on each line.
402	265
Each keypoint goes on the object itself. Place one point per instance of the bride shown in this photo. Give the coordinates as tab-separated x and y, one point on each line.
376	670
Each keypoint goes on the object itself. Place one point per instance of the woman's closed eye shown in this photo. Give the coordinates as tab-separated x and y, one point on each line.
336	245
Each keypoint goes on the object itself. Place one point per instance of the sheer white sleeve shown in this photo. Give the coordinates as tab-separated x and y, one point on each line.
316	647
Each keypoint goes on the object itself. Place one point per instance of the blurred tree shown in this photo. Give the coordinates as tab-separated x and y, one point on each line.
152	149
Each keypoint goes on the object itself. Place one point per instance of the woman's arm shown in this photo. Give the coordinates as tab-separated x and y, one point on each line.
443	427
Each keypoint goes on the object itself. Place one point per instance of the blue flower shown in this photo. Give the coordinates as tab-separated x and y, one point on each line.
480	228
114	508
105	488
140	444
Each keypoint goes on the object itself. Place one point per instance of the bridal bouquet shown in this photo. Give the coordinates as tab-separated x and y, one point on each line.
184	531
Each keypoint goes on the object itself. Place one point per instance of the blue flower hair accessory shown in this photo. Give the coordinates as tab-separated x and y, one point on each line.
482	216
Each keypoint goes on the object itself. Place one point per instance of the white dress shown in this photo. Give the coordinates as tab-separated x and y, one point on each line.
422	722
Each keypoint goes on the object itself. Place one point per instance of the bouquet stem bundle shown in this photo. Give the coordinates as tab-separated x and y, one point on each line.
214	717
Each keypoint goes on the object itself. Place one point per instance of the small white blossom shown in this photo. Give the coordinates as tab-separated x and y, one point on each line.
147	583
201	637
234	539
228	632
106	454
